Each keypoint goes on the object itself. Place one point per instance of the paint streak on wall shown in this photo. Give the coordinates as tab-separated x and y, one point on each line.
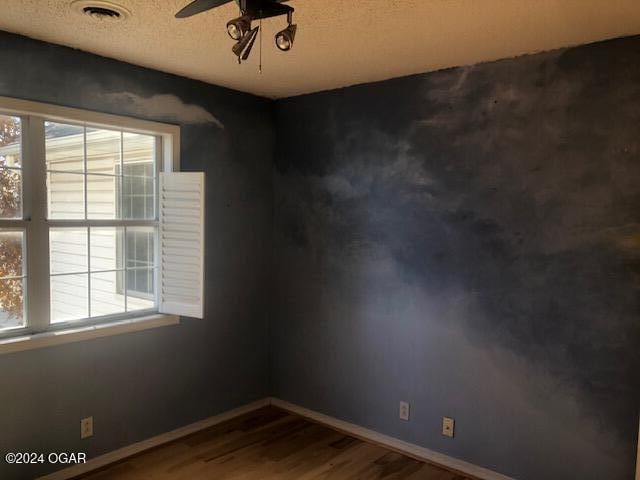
162	106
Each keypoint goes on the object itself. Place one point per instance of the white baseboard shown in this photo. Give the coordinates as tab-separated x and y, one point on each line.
124	452
392	443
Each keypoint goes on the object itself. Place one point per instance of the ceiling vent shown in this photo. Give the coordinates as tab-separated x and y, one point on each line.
101	11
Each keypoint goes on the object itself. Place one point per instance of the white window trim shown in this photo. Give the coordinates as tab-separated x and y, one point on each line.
33	147
82	333
170	133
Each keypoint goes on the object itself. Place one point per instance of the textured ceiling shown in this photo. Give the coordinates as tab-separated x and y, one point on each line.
339	42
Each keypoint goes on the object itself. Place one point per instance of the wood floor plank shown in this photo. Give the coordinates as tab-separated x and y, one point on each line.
270	444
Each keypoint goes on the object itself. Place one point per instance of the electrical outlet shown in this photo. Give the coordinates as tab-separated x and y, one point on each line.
404	411
86	427
448	425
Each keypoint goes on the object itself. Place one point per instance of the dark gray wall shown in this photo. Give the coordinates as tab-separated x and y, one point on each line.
139	385
469	241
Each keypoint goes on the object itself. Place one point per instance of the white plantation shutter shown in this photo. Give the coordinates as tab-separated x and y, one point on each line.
182	243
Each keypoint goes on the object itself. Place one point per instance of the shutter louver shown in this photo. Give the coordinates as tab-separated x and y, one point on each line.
182	243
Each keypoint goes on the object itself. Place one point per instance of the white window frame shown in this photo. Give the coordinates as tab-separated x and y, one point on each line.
34	207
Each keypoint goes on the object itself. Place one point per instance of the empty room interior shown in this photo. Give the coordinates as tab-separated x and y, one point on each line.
319	239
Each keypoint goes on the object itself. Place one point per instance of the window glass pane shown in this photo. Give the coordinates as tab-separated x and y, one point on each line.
139	171
138	197
140	247
64	147
11	303
68	250
140	274
11	280
140	151
101	196
10	142
106	248
11	257
107	293
69	297
10	193
10	165
140	289
103	151
65	196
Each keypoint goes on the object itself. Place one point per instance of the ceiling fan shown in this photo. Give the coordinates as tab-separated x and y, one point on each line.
240	29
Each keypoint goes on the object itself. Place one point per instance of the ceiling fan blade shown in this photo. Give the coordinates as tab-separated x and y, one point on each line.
247	52
270	8
198	6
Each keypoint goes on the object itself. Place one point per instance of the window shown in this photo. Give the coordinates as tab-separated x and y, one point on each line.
80	217
106	178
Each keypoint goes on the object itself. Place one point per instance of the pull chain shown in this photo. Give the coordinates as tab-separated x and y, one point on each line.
260	65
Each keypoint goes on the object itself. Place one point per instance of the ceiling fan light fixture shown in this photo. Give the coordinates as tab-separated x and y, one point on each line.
238	27
285	38
245	42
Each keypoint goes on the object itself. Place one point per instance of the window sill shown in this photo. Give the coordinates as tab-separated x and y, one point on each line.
49	339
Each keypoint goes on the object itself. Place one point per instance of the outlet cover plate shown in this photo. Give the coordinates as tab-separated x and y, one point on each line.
448	425
404	411
86	427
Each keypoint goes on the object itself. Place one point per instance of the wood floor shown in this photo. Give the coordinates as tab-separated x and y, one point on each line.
270	444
